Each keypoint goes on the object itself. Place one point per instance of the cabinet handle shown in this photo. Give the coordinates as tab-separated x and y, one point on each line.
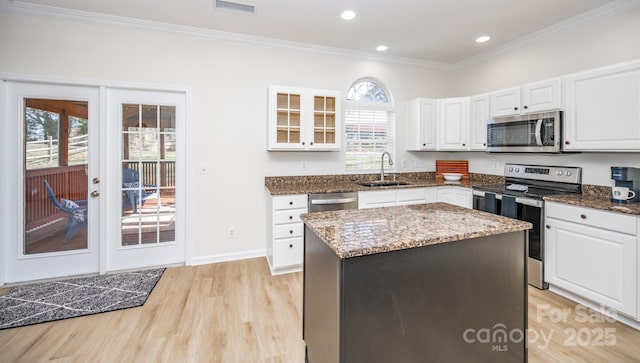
291	203
291	231
515	109
567	142
424	144
548	226
525	107
290	246
311	143
583	216
484	144
290	217
464	144
303	143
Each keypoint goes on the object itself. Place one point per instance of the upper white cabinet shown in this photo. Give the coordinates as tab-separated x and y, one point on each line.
534	97
478	116
602	110
422	124
304	119
453	123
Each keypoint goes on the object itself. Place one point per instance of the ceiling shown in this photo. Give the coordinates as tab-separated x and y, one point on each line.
441	31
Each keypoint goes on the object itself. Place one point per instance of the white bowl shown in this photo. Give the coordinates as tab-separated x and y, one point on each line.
452	176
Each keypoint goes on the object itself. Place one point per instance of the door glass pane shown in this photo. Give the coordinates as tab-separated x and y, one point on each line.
148	174
55	169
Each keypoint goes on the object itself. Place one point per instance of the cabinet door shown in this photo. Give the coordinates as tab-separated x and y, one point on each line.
422	124
377	198
542	96
325	116
463	197
444	195
286	118
453	122
597	264
478	116
602	110
505	102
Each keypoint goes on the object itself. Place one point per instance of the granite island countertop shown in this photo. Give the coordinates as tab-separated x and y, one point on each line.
360	232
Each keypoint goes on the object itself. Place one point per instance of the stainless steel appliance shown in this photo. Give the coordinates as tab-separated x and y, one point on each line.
524	189
628	177
332	201
537	132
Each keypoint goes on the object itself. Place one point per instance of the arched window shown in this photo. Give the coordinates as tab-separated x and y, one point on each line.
369	125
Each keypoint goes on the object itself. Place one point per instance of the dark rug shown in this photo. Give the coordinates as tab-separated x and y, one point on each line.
70	298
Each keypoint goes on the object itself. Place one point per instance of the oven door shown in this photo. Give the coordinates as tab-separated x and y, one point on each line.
532	211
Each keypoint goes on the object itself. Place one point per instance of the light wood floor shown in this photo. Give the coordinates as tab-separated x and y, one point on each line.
238	312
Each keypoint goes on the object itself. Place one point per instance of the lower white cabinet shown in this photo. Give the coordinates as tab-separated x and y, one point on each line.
285	247
393	197
593	254
455	195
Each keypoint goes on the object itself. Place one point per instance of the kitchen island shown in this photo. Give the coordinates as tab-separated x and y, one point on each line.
420	283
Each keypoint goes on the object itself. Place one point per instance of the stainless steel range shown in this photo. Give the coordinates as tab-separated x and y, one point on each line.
521	197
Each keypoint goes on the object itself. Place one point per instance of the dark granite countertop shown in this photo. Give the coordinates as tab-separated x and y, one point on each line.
360	232
349	183
602	202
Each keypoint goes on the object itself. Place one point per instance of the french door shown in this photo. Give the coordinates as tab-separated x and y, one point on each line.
93	179
146	154
51	186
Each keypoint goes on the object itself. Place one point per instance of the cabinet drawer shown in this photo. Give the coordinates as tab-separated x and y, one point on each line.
288	216
288	252
593	217
412	196
289	230
290	202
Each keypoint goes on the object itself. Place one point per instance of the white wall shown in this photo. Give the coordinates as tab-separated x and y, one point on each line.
229	83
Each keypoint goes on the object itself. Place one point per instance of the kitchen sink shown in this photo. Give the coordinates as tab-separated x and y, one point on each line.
383	183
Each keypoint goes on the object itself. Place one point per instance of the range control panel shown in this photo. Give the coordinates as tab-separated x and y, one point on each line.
563	174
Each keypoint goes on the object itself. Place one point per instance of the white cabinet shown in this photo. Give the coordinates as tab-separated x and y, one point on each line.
593	254
285	244
478	116
534	97
453	123
602	110
455	195
393	197
422	124
304	119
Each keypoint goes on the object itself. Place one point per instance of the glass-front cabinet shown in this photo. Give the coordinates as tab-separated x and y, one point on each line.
304	119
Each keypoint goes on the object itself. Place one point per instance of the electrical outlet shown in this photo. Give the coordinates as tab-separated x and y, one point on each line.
232	233
304	165
404	164
496	165
204	168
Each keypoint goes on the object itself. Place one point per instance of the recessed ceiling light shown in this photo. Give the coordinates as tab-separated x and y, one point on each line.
348	15
482	39
382	48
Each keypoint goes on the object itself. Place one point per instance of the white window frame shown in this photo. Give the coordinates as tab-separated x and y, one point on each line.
372	106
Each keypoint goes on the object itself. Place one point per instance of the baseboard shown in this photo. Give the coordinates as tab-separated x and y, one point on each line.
203	260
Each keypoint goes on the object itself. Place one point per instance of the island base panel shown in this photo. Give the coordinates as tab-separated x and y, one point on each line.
449	302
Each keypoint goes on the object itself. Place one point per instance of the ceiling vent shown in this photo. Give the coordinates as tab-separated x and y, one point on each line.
235	7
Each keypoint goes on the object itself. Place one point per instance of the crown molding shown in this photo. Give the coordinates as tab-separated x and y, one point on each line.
37	10
604	11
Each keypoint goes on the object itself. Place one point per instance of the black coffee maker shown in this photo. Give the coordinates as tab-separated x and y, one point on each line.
628	177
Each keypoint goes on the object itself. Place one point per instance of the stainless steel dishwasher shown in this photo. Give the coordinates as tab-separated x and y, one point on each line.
332	201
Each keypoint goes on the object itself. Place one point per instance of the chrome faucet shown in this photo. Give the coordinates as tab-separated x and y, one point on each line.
382	164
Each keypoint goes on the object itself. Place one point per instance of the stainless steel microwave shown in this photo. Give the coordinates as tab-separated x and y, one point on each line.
536	132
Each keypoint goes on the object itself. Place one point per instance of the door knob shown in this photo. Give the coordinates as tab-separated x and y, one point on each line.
96	180
95	193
